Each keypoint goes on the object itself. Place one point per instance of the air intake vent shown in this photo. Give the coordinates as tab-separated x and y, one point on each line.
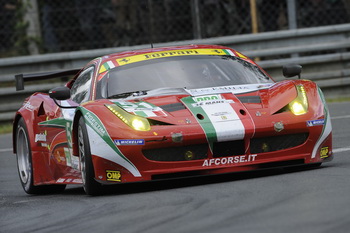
275	143
181	153
230	148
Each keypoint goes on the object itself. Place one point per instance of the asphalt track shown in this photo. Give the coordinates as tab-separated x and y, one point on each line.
312	200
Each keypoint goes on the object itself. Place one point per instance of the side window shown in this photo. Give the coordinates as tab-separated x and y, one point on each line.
80	90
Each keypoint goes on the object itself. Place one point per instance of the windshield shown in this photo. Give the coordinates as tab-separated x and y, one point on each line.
180	72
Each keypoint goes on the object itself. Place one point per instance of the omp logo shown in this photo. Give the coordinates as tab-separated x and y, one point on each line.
324	152
113	175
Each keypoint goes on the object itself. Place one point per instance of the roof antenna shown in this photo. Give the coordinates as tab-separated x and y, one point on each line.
150	24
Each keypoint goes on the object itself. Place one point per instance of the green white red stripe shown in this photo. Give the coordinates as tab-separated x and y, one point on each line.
102	145
217	118
141	108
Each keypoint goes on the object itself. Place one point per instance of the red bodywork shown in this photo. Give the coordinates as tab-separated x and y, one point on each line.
55	161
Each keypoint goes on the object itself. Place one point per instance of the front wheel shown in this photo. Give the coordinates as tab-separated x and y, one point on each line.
91	186
24	164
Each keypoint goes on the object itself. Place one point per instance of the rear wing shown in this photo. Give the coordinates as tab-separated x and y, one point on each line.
21	78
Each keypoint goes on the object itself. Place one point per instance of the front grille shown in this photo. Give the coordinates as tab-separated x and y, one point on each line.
230	148
181	153
275	143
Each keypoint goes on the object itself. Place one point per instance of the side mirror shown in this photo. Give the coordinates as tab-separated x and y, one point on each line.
291	70
60	93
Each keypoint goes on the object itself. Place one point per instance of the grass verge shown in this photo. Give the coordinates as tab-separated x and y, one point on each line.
5	128
339	99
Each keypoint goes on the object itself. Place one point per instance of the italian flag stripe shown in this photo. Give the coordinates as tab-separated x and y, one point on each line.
229	52
141	113
206	124
217	118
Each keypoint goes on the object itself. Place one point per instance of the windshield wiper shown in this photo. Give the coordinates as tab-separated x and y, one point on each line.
128	94
153	92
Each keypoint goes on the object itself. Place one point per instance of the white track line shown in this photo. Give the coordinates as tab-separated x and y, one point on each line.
340	117
338	150
6	150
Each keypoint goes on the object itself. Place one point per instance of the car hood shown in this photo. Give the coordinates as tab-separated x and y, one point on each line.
169	104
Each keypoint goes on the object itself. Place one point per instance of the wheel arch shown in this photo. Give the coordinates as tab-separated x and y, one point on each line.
77	116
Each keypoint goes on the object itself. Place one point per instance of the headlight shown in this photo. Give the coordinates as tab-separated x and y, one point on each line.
299	105
135	122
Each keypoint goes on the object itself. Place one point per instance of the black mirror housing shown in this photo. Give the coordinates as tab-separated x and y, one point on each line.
291	70
60	93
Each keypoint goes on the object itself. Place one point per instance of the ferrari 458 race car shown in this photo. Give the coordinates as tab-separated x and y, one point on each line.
167	113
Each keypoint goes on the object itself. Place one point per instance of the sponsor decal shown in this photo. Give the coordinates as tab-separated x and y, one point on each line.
113	175
229	160
209	100
75	162
315	122
40	137
212	102
28	106
102	145
220	113
217	127
67	153
155	55
129	142
235	89
324	152
327	125
170	53
95	124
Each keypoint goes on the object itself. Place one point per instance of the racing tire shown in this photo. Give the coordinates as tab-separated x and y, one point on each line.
25	166
91	186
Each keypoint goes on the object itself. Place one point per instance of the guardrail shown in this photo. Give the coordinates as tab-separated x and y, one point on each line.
322	51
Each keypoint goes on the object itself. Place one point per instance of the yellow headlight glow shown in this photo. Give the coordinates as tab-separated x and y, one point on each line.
299	105
134	121
140	125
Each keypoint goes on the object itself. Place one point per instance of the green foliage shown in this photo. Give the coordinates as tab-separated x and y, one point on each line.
5	128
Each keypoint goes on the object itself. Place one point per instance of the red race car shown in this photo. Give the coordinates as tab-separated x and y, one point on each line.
166	113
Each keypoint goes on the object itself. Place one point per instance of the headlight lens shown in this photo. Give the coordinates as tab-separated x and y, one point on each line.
135	122
299	105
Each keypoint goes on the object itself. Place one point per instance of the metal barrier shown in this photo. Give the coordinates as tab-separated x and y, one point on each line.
322	51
